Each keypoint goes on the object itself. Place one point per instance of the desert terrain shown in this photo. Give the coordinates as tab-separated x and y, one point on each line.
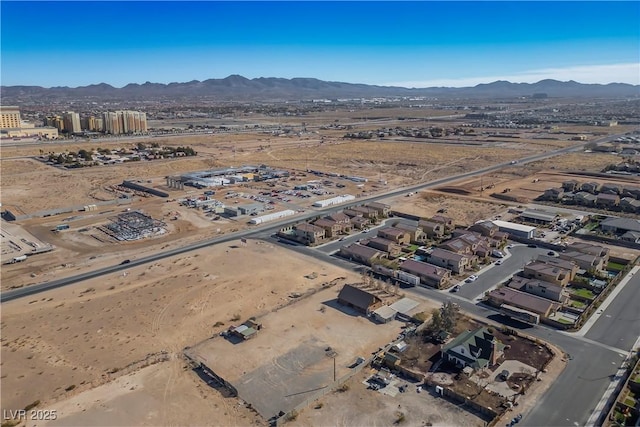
78	337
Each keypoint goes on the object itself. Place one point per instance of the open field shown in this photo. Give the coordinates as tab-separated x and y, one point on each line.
85	334
287	362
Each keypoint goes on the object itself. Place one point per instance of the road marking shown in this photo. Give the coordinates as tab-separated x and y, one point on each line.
599	344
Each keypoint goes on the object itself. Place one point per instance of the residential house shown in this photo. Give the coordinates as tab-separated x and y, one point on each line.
366	212
343	220
620	225
607	201
447	259
360	222
631	192
386	245
430	275
444	220
470	243
610	188
362	254
554	194
570	266
309	234
399	236
383	209
571	185
590	187
331	228
534	304
485	228
589	248
351	213
477	349
416	235
585	199
629	204
359	299
586	262
433	230
631	236
540	288
547	272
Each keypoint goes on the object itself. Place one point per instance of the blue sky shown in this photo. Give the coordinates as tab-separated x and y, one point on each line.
412	44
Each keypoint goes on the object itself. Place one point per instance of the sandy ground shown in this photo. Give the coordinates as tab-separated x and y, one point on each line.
362	407
141	399
77	335
463	211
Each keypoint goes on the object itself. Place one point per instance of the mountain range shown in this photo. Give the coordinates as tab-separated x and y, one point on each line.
239	88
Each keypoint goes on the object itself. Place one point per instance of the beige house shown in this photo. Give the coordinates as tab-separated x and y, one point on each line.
548	273
433	230
450	260
331	228
388	246
309	234
397	235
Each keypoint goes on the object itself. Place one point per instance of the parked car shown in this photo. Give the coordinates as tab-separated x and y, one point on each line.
499	262
552	253
456	288
472	278
531	245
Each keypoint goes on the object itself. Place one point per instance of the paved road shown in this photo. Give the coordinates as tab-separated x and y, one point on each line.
577	390
619	324
496	274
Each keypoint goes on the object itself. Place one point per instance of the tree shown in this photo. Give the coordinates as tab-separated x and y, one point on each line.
449	314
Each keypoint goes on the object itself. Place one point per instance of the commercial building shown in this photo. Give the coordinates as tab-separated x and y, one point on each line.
514	229
72	122
9	117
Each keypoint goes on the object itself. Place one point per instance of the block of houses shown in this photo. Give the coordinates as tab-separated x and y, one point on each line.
477	349
397	235
331	228
416	235
359	299
540	288
309	234
534	304
389	246
547	272
468	243
429	274
450	260
570	185
433	230
590	187
382	208
620	225
362	254
607	201
629	204
444	220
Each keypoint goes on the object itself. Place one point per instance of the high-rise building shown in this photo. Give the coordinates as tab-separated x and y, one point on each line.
72	122
125	122
9	117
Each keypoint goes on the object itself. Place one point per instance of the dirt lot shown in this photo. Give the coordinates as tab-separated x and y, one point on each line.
464	212
75	336
287	361
359	406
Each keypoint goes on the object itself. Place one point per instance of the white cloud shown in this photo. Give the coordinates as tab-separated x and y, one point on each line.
603	74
